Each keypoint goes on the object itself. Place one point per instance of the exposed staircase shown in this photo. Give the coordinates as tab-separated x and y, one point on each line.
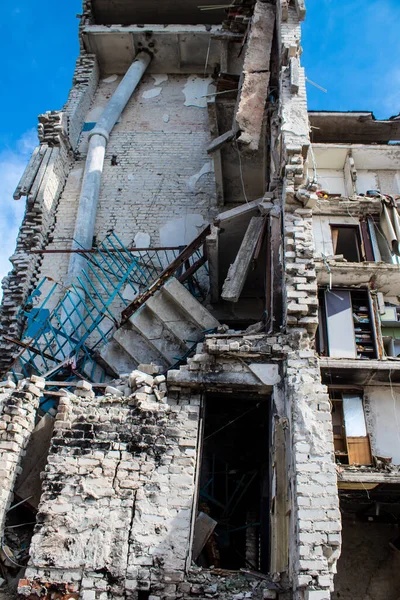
128	306
168	325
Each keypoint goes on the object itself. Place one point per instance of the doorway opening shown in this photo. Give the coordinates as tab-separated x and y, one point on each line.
232	525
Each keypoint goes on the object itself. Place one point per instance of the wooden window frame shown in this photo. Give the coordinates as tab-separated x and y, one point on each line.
353	450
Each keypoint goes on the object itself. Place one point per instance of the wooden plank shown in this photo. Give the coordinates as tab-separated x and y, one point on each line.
28	176
212	246
359	450
284	10
40	174
238	211
238	272
366	240
218	142
280	513
203	529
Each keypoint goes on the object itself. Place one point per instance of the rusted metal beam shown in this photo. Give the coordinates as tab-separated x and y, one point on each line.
29	347
195	267
167	273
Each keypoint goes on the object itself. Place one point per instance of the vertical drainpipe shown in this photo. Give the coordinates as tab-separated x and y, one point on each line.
90	190
98	138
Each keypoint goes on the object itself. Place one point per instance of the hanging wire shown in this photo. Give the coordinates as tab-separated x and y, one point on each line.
234	420
241	171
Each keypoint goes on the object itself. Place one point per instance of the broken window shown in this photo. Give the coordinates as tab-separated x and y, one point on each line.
351	440
232	525
346	327
390	329
347	242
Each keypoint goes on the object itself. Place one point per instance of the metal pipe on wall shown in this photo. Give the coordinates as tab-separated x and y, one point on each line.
90	190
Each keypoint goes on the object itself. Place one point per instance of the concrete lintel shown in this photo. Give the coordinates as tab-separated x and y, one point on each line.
360	372
269	373
363	206
383	276
238	211
365	477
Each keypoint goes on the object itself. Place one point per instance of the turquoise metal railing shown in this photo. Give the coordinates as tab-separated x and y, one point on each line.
66	327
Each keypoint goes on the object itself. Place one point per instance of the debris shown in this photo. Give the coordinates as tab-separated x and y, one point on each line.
203	529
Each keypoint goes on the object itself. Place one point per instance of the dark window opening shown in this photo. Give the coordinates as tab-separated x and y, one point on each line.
346	324
232	526
347	242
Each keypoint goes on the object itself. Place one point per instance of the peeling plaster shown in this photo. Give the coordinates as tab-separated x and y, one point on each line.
94	114
195	89
308	426
152	93
182	231
208	167
158	79
142	240
110	79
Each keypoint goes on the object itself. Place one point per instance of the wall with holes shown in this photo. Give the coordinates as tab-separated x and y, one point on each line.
118	493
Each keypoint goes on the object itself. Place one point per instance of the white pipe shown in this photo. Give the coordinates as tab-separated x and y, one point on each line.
90	190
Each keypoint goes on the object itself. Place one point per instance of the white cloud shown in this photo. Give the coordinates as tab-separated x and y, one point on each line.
12	164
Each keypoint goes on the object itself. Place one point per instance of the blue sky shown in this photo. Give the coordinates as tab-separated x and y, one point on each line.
351	48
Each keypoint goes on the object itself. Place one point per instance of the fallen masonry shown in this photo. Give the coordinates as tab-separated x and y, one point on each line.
199	348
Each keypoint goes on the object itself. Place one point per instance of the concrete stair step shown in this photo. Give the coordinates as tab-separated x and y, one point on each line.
116	359
176	320
195	312
141	350
156	332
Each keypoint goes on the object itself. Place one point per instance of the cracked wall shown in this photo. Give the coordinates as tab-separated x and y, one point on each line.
118	490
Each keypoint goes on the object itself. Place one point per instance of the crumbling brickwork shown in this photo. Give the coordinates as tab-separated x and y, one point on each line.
118	492
17	421
42	204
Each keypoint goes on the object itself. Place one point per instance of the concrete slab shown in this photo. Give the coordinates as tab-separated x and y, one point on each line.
117	359
174	319
194	311
151	327
135	345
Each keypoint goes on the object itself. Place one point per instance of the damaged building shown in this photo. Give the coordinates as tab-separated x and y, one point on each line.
200	335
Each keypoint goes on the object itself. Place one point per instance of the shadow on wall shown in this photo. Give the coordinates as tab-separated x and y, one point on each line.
368	569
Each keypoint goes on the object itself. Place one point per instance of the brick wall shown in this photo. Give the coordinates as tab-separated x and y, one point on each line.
17	421
162	183
315	538
118	492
